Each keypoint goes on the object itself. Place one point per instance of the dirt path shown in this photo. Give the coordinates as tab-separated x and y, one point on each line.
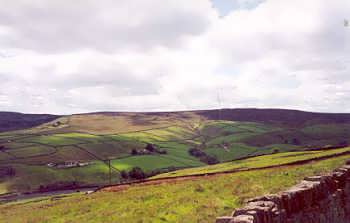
168	180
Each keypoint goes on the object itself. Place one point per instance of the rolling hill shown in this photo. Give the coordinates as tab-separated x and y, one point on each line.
10	121
48	152
284	117
192	199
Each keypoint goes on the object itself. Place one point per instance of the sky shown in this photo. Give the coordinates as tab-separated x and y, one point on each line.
66	57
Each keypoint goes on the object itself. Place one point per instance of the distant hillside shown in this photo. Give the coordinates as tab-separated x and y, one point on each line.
285	117
282	117
10	121
290	118
150	143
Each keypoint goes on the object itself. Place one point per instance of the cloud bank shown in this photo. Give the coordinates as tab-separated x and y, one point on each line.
63	57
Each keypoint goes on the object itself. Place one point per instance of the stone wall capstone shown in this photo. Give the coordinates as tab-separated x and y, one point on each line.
317	199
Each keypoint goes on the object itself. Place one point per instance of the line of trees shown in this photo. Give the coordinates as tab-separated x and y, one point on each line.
135	173
203	157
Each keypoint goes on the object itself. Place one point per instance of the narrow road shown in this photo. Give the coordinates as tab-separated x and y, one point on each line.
26	196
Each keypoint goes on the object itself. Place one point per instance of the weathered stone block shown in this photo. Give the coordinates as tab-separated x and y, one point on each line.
244	219
225	219
317	199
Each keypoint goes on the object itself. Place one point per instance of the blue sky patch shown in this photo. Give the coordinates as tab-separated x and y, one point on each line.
226	6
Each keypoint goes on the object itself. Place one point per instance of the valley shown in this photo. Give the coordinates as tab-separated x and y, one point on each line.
29	157
152	157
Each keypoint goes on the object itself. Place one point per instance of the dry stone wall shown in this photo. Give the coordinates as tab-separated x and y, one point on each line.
318	199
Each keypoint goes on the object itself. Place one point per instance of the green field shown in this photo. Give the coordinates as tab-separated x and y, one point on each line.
32	177
149	162
256	162
262	153
99	137
195	200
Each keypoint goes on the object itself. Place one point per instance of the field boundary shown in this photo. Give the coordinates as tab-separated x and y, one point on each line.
198	176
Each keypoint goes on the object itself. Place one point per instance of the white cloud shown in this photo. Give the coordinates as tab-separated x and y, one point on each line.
165	55
61	26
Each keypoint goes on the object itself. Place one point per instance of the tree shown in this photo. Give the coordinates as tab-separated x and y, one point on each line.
196	152
124	174
134	152
203	157
209	160
162	151
137	173
150	147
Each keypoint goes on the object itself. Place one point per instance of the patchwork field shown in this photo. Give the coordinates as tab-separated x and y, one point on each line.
189	200
29	158
279	159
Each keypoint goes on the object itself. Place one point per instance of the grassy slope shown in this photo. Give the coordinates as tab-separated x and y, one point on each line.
30	177
199	200
256	162
30	150
113	136
10	121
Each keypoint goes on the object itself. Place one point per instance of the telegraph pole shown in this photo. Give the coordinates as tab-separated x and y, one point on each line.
110	172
